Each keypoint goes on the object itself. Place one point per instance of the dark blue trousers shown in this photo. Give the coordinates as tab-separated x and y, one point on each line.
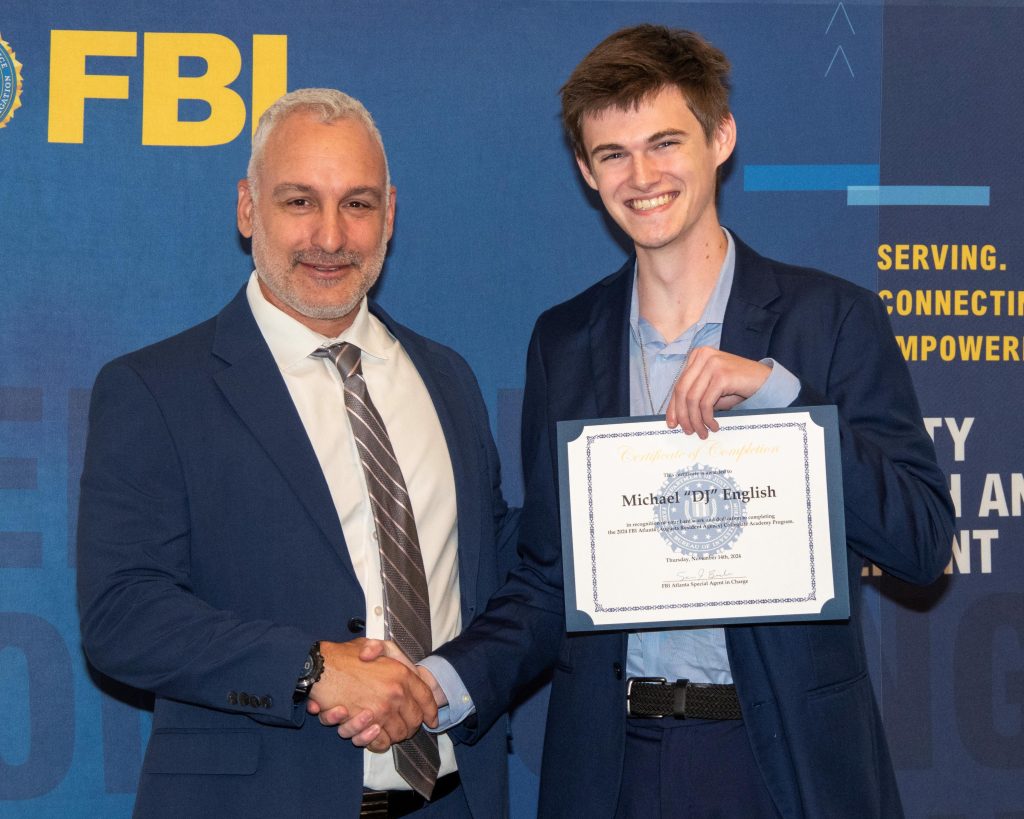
691	769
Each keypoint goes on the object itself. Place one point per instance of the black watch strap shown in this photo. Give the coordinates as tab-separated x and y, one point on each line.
311	673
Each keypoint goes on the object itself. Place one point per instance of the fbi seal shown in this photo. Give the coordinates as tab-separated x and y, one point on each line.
10	83
704	518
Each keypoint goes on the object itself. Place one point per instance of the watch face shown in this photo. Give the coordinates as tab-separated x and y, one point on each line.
307	669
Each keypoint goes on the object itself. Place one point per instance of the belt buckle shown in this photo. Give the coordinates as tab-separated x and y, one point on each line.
629	693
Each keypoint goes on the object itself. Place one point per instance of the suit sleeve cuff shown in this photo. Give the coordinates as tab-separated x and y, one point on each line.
779	390
460	704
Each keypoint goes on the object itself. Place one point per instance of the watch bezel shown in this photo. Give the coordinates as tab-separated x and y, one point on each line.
312	670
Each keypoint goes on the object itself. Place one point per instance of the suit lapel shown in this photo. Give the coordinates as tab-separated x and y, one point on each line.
609	343
252	384
749	322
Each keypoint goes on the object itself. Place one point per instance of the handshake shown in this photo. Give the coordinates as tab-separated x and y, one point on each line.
373	693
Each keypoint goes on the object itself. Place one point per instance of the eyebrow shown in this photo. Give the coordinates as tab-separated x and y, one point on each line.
297	187
366	190
289	187
666	133
614	146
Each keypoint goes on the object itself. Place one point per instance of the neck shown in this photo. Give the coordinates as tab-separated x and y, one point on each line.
675	284
331	328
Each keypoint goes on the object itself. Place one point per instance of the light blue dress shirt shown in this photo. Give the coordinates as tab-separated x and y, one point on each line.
697	654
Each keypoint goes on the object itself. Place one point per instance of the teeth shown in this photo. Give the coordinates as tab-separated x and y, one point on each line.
648	204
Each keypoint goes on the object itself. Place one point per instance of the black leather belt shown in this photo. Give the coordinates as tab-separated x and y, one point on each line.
392	804
652	697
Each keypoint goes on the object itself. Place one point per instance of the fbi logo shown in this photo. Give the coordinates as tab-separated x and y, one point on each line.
10	83
704	512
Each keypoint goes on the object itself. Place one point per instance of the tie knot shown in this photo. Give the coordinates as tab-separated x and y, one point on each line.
346	358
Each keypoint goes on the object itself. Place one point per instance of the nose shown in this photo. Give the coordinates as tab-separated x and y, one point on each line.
330	234
645	172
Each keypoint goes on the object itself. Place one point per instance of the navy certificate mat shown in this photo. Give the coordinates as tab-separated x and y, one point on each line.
835	608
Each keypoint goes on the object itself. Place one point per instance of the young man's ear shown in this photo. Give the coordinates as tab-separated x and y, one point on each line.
588	175
724	138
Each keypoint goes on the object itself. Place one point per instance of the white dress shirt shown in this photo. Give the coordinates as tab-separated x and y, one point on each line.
398	392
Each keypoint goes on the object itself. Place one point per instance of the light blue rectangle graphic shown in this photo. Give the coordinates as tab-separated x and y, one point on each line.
808	177
876	195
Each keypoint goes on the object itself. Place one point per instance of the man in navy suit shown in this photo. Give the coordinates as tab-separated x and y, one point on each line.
744	721
228	554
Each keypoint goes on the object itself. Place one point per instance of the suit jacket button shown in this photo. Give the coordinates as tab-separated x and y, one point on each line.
243	698
617	668
266	701
232	698
356	625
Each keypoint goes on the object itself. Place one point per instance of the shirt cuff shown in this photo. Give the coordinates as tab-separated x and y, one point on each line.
460	704
779	390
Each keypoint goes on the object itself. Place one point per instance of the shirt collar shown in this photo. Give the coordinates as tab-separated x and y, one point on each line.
714	310
291	342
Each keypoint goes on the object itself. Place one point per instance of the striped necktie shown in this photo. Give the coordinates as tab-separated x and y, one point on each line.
406	602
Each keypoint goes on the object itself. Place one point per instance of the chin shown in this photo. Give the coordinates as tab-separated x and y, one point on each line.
653	242
328	312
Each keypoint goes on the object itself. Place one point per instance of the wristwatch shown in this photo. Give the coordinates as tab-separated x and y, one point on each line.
311	672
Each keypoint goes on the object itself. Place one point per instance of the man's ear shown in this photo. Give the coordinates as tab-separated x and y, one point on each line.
588	175
724	139
389	217
245	206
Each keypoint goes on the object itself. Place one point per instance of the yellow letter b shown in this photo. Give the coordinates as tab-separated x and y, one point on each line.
163	87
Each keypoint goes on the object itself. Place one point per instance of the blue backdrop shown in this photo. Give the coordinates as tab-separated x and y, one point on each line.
876	140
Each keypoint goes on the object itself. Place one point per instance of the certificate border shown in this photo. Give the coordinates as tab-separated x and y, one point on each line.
836	608
811	595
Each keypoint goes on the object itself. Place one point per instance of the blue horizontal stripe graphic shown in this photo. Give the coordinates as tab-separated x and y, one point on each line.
808	177
976	196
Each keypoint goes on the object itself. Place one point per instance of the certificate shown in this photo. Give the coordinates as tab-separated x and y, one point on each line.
662	529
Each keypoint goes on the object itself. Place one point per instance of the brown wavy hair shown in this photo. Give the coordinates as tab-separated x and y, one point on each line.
635	63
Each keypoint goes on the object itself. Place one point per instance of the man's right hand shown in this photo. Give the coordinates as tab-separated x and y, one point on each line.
372	649
383	692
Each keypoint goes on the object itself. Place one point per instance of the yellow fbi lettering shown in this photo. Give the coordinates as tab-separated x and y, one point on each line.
162	85
962	347
938	257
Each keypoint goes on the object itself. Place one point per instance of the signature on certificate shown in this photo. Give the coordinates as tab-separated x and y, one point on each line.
708	574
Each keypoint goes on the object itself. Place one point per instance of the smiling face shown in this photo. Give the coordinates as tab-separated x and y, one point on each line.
320	219
656	171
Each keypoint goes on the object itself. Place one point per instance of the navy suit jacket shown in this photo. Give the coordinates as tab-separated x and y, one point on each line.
211	557
807	702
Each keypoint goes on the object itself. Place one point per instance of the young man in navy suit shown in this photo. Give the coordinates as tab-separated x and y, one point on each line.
229	557
693	323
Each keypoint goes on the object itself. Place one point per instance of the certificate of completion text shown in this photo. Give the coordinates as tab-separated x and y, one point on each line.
660	528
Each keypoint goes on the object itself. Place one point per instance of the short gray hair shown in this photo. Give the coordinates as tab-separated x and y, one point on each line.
329	105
